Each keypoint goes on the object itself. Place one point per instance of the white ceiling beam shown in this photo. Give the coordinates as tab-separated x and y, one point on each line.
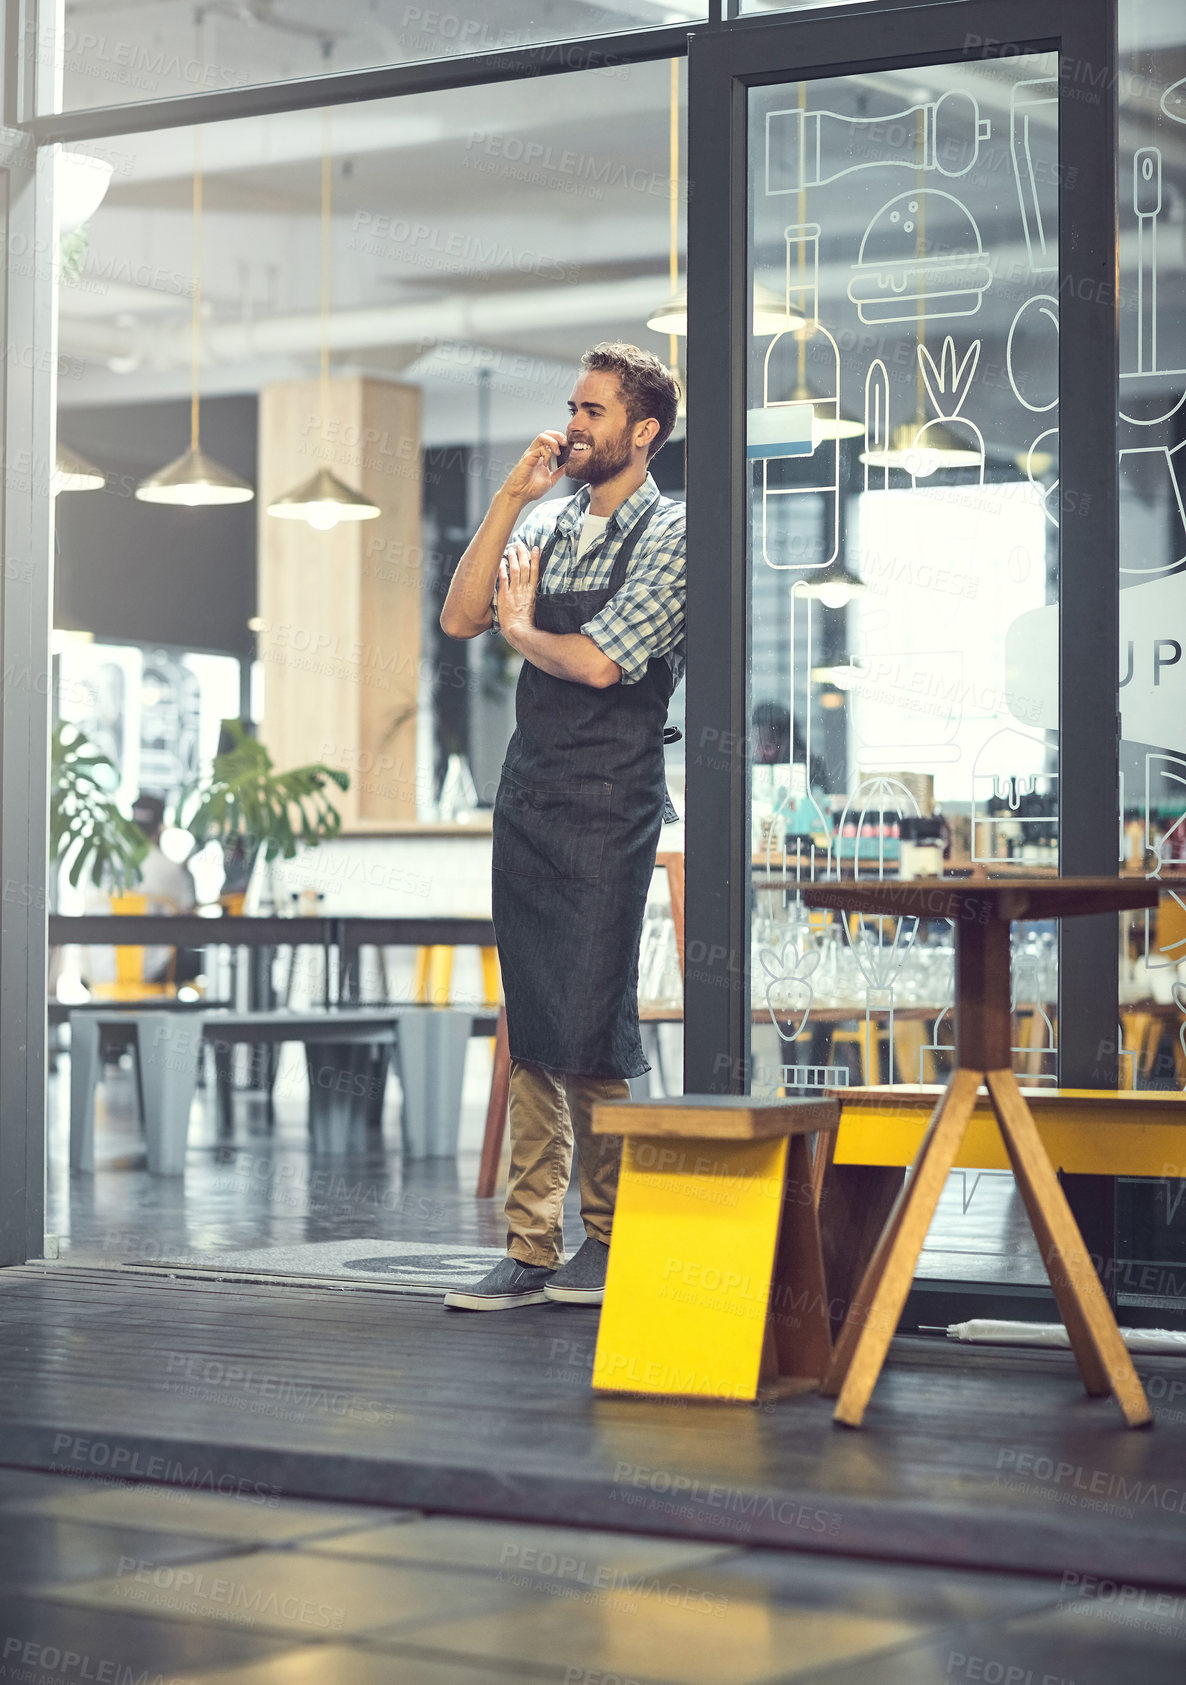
166	344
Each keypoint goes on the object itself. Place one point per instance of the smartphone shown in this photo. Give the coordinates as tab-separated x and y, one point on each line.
562	456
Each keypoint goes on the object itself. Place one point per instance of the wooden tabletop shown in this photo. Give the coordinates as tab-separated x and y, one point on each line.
194	930
983	899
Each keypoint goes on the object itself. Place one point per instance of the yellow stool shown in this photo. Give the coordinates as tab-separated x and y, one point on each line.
716	1279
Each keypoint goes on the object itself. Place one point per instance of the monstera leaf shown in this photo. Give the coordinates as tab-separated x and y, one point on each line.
85	825
246	798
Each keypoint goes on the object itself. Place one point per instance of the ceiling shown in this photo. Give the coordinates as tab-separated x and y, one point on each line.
468	226
505	226
116	51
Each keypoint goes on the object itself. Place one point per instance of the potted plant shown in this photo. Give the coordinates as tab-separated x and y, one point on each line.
86	826
247	805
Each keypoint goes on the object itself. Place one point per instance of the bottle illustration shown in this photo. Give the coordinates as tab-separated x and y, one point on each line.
801	406
951	440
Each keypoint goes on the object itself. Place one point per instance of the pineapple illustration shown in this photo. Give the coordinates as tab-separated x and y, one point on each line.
959	440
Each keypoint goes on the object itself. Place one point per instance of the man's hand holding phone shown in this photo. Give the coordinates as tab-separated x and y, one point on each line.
533	474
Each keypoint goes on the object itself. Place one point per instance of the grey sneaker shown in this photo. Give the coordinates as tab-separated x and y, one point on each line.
508	1284
582	1280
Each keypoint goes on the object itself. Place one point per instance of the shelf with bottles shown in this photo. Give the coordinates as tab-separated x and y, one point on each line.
789	824
1018	832
1154	841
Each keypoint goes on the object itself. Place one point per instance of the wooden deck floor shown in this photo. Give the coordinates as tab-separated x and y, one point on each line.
985	1458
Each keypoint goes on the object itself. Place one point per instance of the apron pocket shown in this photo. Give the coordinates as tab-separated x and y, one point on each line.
550	831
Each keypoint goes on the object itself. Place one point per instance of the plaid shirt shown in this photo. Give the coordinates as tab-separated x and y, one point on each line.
646	617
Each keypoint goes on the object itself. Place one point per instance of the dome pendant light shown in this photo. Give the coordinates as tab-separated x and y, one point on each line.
73	472
834	587
195	480
936	453
771	314
323	501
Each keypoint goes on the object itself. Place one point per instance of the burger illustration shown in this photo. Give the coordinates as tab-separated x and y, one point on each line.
921	254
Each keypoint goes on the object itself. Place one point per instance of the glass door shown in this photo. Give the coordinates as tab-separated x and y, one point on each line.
901	434
902	445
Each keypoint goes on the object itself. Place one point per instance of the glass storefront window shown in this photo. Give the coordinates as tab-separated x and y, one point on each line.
902	437
111	54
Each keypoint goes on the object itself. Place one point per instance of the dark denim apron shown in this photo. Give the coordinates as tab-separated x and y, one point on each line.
576	824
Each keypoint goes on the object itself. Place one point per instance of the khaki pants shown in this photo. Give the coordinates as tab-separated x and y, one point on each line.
546	1111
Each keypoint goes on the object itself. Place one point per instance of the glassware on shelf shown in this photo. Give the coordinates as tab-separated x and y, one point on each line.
660	981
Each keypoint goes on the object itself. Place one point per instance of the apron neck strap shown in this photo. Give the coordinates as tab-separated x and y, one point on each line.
625	549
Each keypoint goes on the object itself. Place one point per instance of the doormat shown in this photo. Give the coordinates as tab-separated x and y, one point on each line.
418	1268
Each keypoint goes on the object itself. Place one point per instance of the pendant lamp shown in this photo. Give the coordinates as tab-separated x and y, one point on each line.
939	451
195	480
323	501
80	183
834	586
73	472
771	314
825	428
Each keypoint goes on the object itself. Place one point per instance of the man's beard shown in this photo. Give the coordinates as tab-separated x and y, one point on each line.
602	462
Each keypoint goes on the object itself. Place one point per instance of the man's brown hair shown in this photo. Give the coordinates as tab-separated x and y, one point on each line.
648	387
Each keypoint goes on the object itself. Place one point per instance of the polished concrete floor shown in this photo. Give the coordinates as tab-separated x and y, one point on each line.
264	1189
110	1582
513	1525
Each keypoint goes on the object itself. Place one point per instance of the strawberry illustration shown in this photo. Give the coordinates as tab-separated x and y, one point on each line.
788	991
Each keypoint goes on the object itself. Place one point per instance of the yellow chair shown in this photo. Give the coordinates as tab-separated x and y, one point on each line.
1170	937
868	1038
433	982
130	982
914	1057
1141	1032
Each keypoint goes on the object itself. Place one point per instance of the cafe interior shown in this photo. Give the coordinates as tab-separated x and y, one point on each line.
911	980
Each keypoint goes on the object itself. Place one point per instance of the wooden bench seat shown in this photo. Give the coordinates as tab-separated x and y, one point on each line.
1085	1131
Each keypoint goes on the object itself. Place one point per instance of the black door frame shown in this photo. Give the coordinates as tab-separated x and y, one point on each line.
722	67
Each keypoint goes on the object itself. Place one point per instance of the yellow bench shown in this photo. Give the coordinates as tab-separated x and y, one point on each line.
864	1208
1085	1131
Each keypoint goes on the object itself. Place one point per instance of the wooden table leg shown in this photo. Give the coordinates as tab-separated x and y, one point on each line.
874	1260
496	1111
898	1253
1103	1358
798	1314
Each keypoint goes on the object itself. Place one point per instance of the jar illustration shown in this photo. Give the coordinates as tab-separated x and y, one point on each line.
800	407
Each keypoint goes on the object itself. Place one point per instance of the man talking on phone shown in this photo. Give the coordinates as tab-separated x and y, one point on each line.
590	591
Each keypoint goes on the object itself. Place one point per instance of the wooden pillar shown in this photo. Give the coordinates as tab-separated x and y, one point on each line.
340	610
